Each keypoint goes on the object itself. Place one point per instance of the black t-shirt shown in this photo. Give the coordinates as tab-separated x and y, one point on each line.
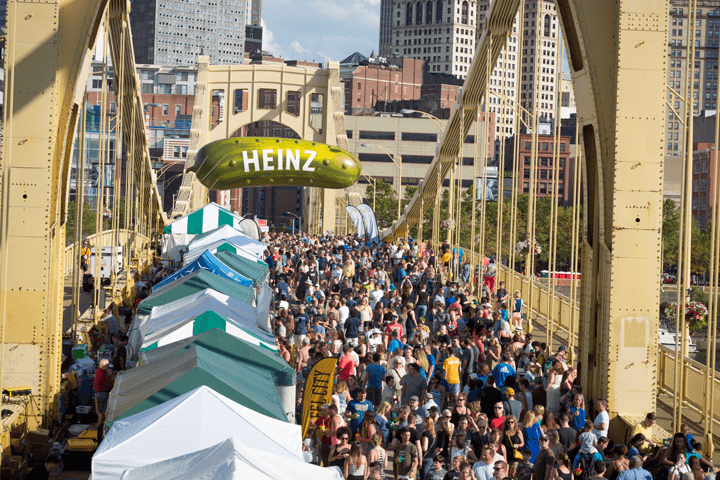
501	292
431	444
346	292
352	327
462	299
414	435
335	288
567	436
443	339
422	298
452	475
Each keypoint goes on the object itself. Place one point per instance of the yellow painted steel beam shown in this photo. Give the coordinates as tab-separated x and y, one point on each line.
49	48
618	63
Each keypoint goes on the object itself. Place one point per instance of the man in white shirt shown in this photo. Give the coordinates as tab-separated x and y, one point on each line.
484	468
602	420
376	295
343	312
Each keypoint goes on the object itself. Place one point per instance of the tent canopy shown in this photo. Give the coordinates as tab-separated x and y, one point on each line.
207	218
194	421
180	232
163	316
209	320
222	245
256	270
230	234
207	261
232	459
144	387
229	347
193	283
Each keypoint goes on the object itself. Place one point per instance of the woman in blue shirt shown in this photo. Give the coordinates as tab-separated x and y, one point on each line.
577	413
531	434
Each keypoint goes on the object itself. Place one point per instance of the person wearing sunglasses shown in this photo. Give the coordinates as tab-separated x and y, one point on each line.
545	460
340	451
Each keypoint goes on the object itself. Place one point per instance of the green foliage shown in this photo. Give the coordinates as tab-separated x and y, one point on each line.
670	231
88	221
385	203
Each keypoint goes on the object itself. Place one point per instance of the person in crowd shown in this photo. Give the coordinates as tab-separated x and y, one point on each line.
356	465
635	472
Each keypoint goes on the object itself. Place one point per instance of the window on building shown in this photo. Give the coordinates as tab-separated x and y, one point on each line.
166	109
419	137
178	110
372	135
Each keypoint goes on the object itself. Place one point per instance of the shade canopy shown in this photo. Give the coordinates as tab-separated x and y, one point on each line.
180	232
256	270
194	421
222	246
172	313
229	234
231	347
188	327
148	386
207	261
193	283
233	459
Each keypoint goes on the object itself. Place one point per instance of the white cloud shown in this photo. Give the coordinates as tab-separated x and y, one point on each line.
296	47
269	43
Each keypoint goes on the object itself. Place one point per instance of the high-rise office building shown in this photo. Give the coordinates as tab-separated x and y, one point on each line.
503	79
445	33
441	32
253	28
702	78
386	9
175	32
541	41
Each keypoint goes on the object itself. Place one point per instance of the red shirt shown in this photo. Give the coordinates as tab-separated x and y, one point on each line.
347	367
102	381
395	327
497	422
329	426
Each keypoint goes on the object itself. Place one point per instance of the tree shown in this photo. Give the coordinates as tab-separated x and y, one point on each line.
385	203
670	232
88	221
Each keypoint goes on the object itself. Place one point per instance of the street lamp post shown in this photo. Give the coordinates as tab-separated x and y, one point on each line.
440	124
374	182
298	218
397	160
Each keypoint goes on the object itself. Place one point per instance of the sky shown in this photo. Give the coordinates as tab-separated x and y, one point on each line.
320	30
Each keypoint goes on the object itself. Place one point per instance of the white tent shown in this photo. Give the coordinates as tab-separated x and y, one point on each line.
230	234
181	231
232	459
221	245
191	422
175	312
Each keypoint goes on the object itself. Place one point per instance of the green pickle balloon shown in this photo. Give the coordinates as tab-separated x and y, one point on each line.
266	161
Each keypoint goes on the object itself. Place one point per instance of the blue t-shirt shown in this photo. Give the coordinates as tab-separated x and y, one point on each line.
354	406
431	362
283	288
375	373
401	275
352	327
577	421
319	329
596	457
501	372
301	324
394	345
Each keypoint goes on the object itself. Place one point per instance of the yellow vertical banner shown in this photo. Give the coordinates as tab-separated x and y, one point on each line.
318	390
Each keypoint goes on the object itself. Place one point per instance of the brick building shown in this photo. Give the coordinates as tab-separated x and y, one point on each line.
373	84
546	168
703	184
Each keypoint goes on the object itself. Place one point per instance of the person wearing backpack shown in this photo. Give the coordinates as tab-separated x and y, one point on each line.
584	463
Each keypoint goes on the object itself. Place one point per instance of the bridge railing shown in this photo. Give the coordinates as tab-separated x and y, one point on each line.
104	239
695	388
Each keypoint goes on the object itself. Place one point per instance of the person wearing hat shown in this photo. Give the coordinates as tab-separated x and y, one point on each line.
544	461
588	454
512	406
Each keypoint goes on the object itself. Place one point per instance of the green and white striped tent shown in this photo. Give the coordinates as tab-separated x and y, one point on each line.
190	327
222	245
181	231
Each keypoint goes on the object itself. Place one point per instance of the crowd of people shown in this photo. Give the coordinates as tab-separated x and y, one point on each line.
437	377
